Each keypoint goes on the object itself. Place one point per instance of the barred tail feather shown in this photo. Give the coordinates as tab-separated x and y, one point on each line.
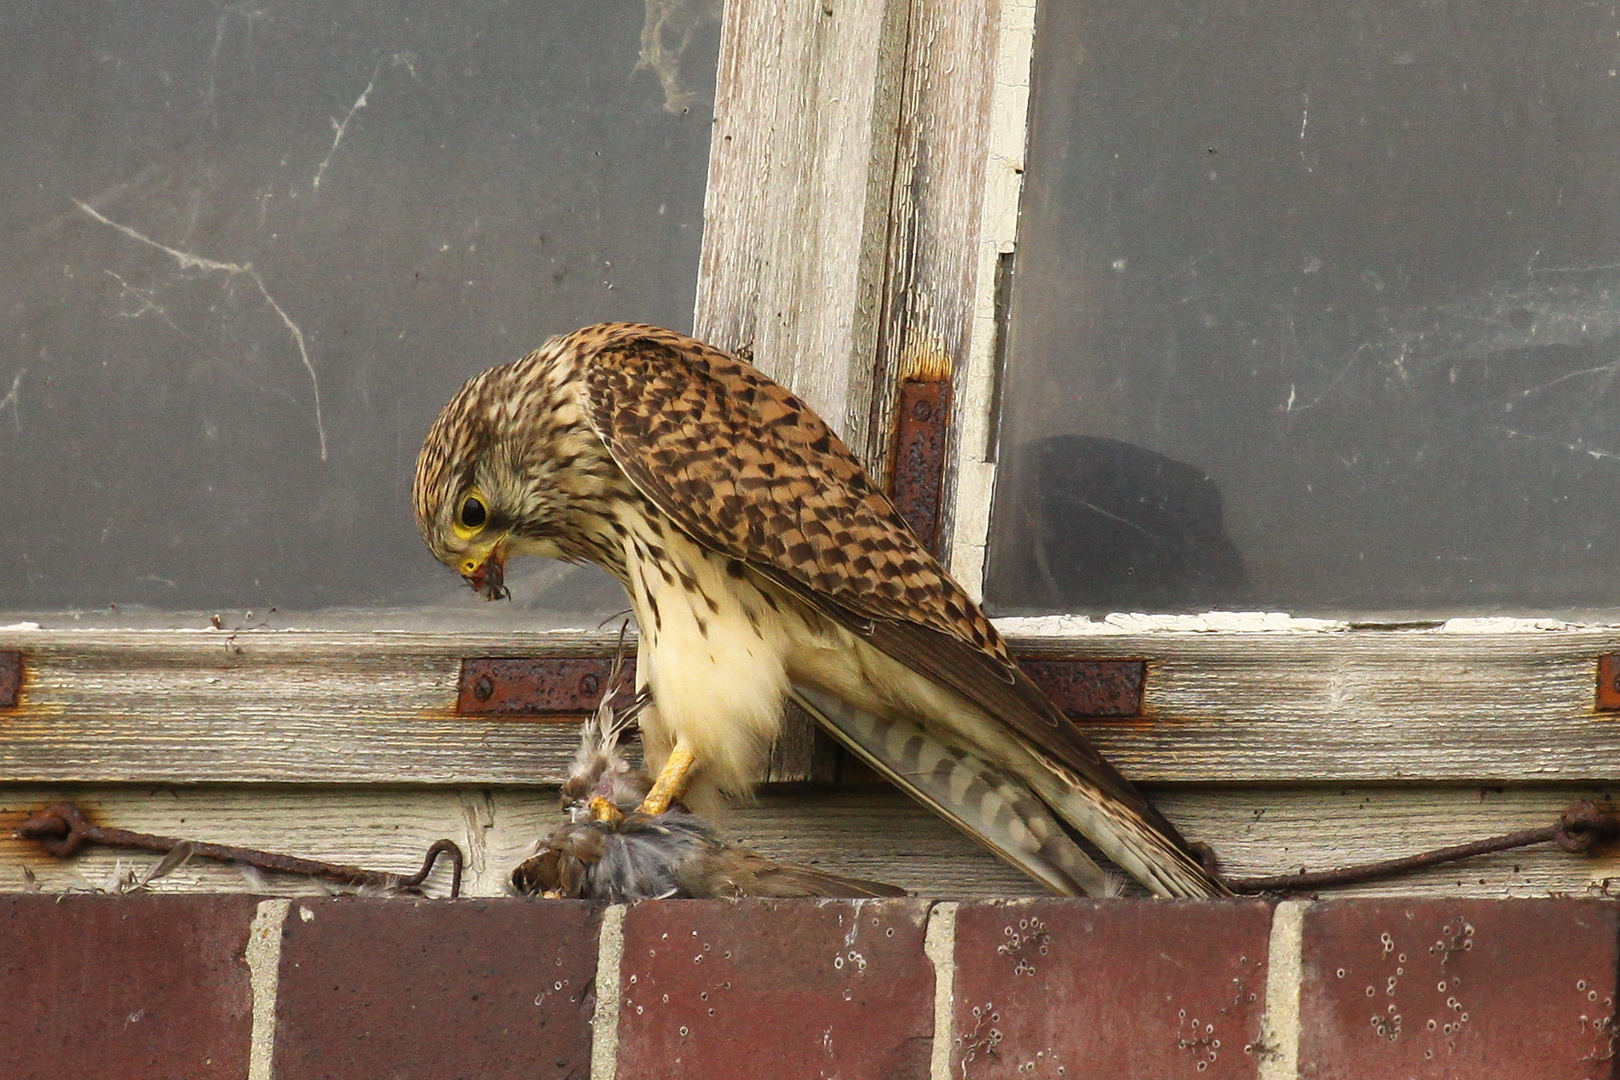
1143	852
992	806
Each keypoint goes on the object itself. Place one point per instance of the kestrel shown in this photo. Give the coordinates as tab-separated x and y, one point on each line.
761	563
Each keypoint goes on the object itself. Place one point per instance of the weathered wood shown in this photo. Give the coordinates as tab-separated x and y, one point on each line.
944	128
801	753
794	215
291	707
1261	831
978	374
874	833
1369	706
869	832
270	706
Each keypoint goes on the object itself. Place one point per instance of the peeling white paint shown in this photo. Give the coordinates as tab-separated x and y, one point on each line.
1506	625
1137	623
1267	622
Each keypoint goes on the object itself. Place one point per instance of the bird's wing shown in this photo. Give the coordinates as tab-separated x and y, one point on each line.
750	471
731	871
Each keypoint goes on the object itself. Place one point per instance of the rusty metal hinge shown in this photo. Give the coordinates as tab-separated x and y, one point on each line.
921	430
1608	682
10	678
560	687
566	687
1090	688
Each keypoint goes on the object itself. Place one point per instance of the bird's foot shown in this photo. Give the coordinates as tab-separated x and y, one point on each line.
672	782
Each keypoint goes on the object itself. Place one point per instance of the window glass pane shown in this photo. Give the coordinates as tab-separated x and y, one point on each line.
1316	307
251	250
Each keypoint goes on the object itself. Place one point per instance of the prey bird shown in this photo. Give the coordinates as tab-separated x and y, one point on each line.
670	855
610	850
762	562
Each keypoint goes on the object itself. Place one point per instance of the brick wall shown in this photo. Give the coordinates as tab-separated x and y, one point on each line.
230	986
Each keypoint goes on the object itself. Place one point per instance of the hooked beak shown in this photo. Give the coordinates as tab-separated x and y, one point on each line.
487	575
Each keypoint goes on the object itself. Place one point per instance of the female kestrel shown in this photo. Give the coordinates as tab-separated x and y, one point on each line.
761	562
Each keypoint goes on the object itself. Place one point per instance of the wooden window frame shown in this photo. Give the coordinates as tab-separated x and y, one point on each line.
861	211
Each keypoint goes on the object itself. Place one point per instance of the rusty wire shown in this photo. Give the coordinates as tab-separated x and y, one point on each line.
1577	830
62	830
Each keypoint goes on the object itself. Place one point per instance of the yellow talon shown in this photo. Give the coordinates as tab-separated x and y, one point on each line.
603	810
671	782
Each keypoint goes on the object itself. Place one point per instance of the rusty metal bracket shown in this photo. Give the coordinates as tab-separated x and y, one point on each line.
540	686
568	687
1608	682
11	667
917	482
1090	689
62	830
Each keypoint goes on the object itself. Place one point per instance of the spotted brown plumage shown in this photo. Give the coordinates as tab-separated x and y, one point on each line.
746	468
762	561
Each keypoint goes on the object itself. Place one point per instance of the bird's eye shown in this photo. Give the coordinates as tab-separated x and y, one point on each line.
473	513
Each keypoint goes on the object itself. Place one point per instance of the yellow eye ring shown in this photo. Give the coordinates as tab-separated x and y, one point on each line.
473	513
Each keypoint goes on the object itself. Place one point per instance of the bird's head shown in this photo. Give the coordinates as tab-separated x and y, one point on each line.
486	481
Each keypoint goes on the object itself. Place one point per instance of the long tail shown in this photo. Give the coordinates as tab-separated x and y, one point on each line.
1011	813
1139	848
987	803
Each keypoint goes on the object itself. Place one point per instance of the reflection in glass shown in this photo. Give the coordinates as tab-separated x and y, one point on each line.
1118	526
251	250
1358	264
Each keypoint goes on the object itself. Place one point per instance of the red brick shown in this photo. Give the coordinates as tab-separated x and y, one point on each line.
1109	989
775	988
420	989
1458	988
120	987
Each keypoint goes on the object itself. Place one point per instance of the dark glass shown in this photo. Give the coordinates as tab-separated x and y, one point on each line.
1316	308
252	249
